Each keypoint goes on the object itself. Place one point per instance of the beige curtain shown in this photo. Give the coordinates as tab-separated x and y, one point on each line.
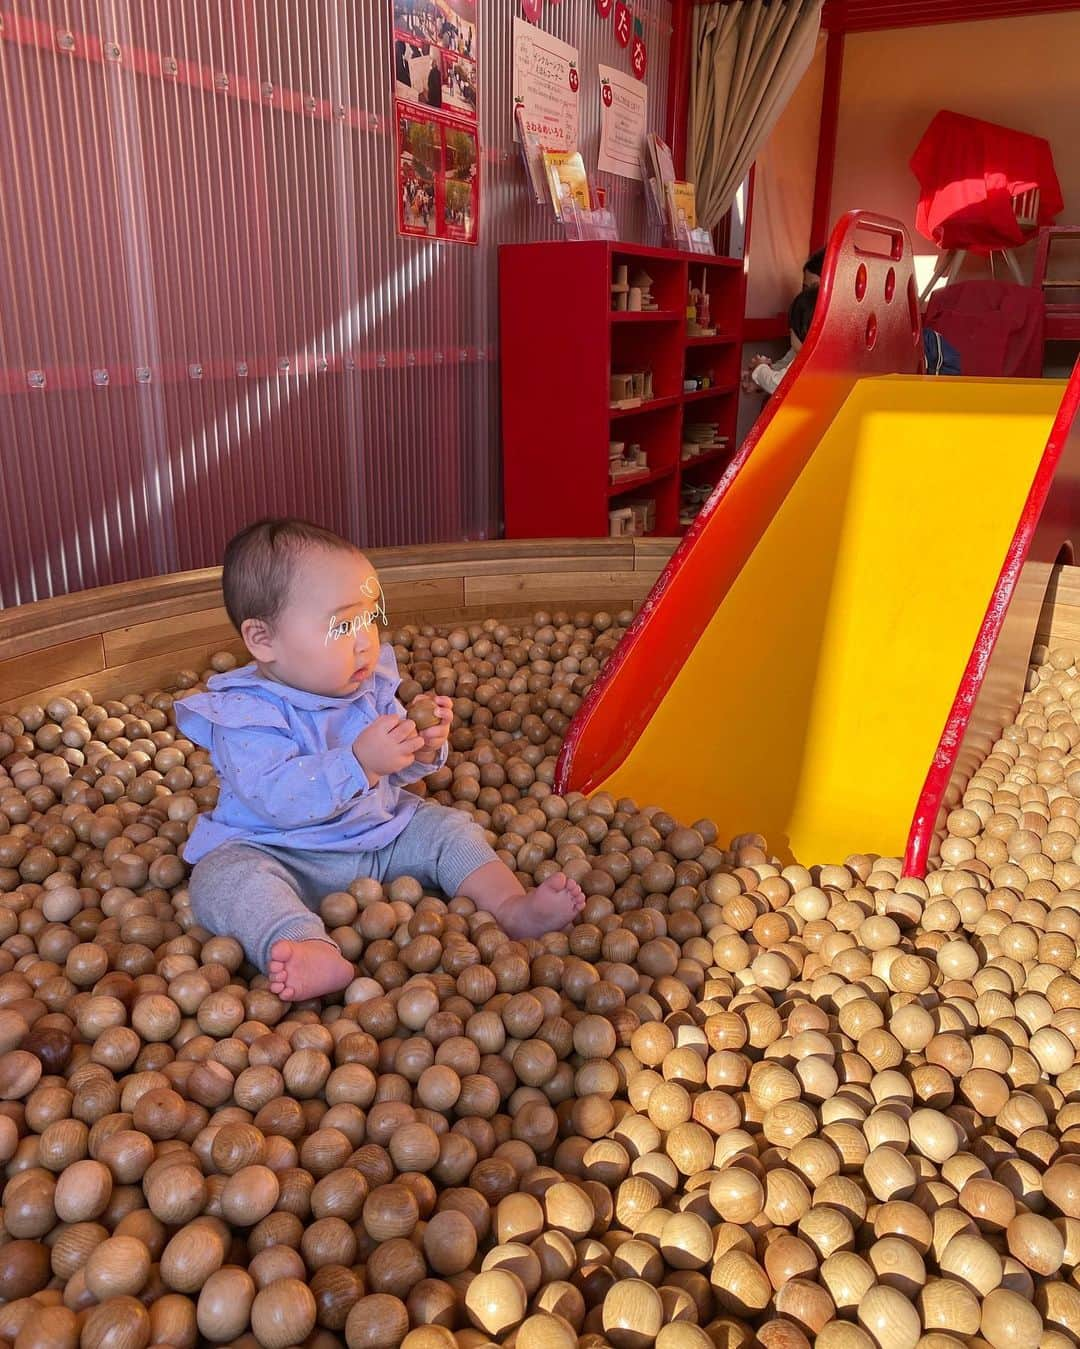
748	57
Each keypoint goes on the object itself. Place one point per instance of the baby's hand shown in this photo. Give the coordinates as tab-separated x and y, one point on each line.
386	746
436	736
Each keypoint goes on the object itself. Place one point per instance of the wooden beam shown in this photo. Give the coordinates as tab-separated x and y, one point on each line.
861	16
678	90
821	218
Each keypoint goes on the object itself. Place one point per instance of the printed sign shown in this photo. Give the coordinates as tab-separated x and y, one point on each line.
546	85
623	105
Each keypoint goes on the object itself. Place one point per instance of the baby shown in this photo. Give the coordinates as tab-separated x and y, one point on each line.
313	751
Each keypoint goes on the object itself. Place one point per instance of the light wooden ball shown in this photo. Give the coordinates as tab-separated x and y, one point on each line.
632	1314
1009	1321
495	1302
973	1261
1036	1242
543	1330
889	1318
947	1305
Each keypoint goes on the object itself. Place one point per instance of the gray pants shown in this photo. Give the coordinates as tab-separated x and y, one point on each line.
260	894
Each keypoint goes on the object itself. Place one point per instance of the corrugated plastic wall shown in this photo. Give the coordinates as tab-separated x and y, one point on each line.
205	312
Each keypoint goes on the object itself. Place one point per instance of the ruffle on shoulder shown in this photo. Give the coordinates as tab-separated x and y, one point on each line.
234	709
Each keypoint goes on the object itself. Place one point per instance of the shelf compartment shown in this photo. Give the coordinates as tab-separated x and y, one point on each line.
701	395
709	457
624	485
719	340
654	405
647	316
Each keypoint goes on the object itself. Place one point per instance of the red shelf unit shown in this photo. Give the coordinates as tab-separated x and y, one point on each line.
559	344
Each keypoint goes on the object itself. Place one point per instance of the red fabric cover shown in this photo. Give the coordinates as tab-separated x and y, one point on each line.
996	326
969	171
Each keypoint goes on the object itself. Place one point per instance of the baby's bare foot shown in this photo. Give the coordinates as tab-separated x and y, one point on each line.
300	970
548	908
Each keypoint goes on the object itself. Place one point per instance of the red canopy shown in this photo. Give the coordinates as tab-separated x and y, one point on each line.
969	171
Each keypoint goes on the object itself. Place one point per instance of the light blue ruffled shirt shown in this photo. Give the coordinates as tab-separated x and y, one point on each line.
287	772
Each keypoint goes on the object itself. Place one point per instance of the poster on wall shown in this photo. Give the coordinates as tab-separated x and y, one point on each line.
623	105
436	92
546	84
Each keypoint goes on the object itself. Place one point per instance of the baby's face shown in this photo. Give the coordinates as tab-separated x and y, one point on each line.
326	640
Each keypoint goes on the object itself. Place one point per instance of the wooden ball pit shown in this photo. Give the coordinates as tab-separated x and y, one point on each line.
737	1101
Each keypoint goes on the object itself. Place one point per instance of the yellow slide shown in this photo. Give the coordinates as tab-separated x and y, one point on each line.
839	638
810	708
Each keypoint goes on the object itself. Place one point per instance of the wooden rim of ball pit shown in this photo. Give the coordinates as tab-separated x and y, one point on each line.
114	639
846	627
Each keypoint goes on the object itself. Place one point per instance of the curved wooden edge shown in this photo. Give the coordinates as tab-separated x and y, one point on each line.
121	638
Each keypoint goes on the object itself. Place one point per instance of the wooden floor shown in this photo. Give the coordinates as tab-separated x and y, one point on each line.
134	637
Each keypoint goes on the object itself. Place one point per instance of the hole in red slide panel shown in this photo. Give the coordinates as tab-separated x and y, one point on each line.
890	284
871	332
860	281
875	241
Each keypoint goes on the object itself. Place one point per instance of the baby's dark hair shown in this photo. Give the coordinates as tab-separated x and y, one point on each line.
260	561
814	263
801	313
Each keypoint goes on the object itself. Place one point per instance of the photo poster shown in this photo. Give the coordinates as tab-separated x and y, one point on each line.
546	84
436	92
623	108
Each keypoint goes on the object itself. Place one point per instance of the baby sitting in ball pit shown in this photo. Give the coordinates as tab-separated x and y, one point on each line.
313	751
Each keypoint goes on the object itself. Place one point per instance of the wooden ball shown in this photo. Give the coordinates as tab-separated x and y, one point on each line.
224	1306
973	1261
450	1241
889	1317
390	1211
1036	1242
283	1314
120	1323
118	1267
24	1268
192	1255
686	1241
495	1302
632	1314
249	1196
947	1305
740	1284
543	1330
83	1191
53	1327
1061	1186
432	1337
337	1290
568	1209
1009	1321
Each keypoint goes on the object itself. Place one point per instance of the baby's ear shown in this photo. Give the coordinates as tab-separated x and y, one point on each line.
258	637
